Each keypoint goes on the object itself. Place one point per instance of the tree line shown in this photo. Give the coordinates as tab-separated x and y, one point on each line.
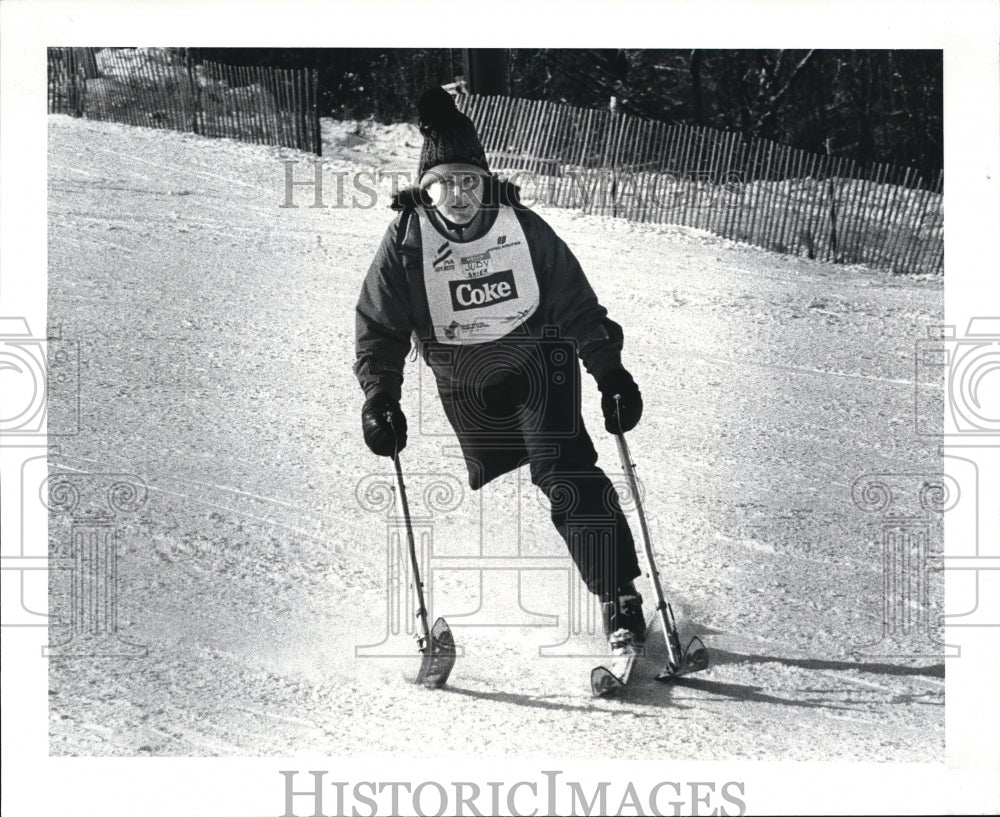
867	105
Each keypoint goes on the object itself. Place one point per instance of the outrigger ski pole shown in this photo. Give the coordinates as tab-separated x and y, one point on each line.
436	644
679	662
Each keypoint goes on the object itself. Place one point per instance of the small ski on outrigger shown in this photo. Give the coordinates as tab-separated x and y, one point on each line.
616	673
607	679
436	644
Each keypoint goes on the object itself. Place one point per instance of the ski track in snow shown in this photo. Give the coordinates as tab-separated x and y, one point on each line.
216	340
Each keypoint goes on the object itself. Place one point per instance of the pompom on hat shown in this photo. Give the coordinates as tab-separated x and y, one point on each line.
450	138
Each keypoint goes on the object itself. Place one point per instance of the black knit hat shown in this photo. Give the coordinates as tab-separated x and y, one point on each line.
450	138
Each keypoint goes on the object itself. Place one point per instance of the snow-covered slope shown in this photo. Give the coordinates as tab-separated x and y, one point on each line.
216	332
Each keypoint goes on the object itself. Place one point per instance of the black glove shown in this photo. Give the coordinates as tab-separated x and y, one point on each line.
629	405
383	437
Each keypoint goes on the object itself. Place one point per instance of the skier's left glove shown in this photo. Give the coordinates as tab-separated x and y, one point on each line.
629	404
383	437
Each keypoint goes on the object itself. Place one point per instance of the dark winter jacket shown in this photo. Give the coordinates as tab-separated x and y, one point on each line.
392	308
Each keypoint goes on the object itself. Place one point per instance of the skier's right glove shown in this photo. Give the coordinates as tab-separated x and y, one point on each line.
383	437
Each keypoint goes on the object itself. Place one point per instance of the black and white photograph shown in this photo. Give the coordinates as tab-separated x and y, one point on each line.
487	428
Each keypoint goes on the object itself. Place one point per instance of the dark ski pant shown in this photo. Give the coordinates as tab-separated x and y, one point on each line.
586	513
553	441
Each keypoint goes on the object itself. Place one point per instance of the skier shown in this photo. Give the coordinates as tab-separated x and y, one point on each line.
500	309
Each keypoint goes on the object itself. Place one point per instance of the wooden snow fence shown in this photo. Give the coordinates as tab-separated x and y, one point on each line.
163	88
752	191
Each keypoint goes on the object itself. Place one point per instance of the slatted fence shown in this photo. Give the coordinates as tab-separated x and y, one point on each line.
753	191
163	88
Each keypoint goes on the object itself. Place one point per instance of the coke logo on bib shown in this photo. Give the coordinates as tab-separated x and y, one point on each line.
480	292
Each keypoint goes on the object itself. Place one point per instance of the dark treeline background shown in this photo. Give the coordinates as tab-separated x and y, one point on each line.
881	106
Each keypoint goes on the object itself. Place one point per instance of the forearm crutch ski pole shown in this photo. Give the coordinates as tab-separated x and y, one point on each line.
436	644
679	662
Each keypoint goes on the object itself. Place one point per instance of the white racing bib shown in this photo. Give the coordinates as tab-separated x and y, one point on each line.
479	290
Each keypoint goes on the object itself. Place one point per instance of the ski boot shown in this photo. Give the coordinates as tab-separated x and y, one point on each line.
624	613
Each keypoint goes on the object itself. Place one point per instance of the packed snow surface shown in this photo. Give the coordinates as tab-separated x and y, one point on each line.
216	334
